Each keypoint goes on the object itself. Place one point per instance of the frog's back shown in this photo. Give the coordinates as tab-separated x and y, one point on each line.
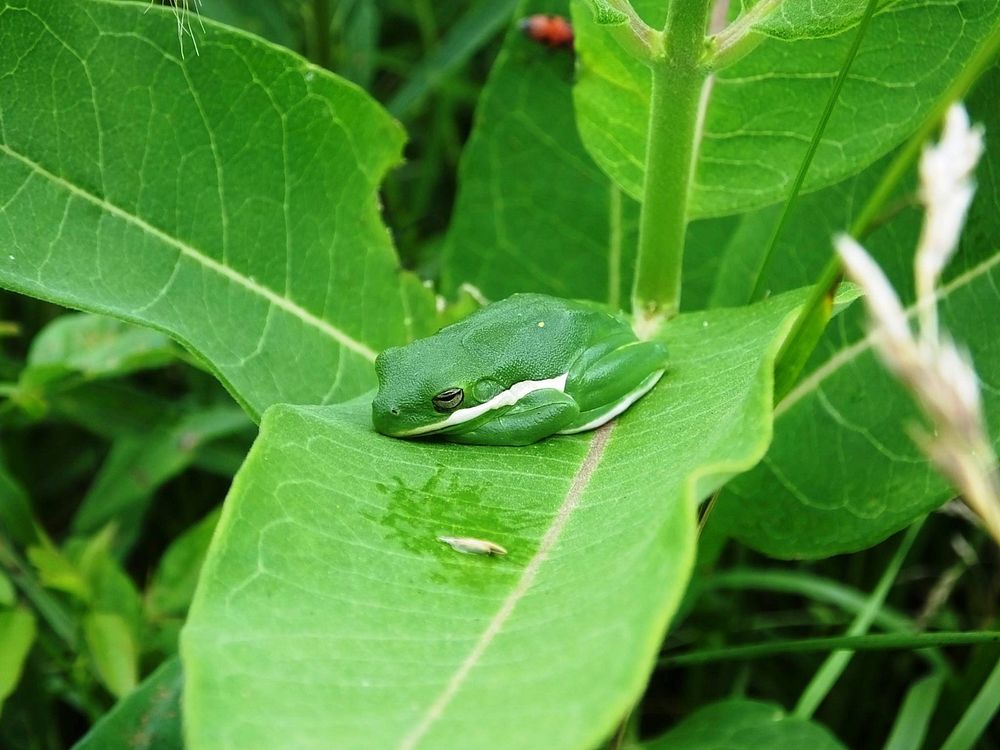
532	333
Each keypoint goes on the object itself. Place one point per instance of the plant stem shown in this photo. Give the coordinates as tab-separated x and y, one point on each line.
635	37
615	247
880	642
678	79
738	39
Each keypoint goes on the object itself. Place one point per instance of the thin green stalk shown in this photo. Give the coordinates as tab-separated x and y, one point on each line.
801	583
615	235
800	178
321	19
834	665
469	34
47	606
802	338
879	642
977	716
678	79
634	36
738	39
910	728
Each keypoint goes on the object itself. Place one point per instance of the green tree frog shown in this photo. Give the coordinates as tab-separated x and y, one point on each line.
514	372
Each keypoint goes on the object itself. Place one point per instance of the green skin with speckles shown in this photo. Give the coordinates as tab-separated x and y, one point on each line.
515	372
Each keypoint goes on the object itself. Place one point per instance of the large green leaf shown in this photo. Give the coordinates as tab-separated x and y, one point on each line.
745	725
842	472
226	198
764	109
805	243
328	614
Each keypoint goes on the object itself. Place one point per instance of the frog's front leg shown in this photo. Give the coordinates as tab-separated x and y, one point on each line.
607	382
537	415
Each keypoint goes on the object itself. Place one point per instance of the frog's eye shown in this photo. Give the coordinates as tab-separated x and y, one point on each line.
449	399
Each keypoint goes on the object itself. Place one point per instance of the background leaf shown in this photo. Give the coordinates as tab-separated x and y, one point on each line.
15	509
113	650
478	24
533	211
176	576
267	18
17	633
95	346
138	464
744	725
764	108
148	718
842	473
332	562
203	196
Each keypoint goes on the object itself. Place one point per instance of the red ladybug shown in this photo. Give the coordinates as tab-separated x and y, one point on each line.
553	31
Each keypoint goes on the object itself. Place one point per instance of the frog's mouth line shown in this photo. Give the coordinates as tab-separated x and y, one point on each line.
502	400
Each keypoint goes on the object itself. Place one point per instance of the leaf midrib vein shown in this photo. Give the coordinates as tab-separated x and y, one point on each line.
552	535
199	257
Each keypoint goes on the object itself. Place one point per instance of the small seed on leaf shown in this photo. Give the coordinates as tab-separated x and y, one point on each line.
472	546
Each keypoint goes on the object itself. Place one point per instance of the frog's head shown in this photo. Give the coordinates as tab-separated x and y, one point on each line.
423	390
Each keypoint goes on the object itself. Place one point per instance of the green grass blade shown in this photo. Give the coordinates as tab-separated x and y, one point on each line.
910	728
881	642
833	667
817	588
800	177
475	28
977	716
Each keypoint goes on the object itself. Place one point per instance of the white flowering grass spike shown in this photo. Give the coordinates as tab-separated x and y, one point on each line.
946	190
938	373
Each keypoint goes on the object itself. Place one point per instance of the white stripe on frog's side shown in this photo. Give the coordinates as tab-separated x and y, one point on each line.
619	406
503	399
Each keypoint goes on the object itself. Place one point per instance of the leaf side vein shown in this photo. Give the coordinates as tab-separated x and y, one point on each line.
199	257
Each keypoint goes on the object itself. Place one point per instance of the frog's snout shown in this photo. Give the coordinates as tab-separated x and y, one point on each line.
385	414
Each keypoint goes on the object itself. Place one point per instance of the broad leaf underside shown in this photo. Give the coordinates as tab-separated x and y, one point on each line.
764	108
842	472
